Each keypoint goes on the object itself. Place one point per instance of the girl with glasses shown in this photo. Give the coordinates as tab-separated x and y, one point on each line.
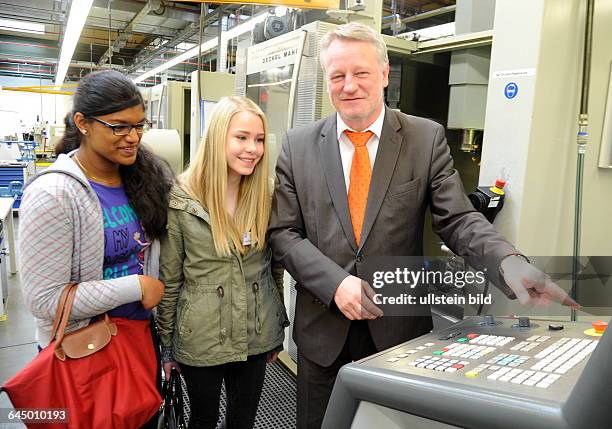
94	217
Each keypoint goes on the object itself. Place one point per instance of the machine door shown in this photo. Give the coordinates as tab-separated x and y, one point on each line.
271	90
272	71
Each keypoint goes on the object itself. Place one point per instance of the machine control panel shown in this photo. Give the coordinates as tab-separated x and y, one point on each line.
502	354
483	372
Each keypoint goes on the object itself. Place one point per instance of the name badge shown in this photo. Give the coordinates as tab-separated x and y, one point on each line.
246	238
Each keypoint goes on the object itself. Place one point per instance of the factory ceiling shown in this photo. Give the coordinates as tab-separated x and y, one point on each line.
137	35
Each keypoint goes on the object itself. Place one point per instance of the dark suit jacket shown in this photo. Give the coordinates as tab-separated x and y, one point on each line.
312	237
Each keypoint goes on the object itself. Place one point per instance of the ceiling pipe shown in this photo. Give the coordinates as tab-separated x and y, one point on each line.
180	11
184	34
421	16
33	45
121	40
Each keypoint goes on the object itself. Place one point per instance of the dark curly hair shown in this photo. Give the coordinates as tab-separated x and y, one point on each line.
148	181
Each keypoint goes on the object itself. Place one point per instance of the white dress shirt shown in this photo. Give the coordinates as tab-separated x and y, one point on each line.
347	150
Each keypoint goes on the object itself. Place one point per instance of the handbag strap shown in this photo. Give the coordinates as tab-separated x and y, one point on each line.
179	391
67	301
65	315
60	309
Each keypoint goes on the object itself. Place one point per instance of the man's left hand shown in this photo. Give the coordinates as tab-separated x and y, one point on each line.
531	285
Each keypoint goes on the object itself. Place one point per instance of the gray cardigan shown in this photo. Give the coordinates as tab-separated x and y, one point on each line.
61	240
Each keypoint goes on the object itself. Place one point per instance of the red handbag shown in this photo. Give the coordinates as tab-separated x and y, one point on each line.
103	375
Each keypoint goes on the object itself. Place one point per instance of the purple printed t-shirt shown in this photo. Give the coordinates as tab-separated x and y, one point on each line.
124	244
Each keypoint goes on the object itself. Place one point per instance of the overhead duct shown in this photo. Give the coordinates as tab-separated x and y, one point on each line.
124	36
183	35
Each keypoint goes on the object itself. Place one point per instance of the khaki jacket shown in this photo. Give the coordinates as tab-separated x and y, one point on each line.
215	309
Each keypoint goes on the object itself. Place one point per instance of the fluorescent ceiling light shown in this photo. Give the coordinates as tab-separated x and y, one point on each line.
206	46
76	20
236	31
245	27
22	26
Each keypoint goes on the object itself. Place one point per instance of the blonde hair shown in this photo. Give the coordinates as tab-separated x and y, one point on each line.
206	181
356	32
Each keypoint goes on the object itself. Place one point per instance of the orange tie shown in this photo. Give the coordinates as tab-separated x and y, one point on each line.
361	173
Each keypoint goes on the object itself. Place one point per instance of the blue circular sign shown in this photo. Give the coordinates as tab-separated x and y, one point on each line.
511	90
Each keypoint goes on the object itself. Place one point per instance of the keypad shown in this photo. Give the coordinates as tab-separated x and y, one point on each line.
478	356
525	346
476	371
490	340
438	363
408	352
505	359
524	377
464	350
563	355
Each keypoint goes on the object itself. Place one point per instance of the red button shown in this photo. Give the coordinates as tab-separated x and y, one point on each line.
472	336
599	326
458	366
445	349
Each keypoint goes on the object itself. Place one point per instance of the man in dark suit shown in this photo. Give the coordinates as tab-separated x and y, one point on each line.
356	185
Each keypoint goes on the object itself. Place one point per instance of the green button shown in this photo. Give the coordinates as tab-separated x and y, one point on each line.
462	340
438	352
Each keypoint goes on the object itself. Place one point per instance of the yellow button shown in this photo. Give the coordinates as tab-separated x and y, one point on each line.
471	374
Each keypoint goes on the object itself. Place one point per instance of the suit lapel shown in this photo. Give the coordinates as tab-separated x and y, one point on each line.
334	176
386	157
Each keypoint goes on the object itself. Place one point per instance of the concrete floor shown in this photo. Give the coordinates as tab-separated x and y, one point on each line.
17	343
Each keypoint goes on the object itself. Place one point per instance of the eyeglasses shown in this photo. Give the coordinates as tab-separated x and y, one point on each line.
124	130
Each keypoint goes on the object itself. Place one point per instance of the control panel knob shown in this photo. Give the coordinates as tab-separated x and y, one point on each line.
524	322
489	320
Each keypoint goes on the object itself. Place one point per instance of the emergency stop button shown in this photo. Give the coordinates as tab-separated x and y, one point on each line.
599	326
